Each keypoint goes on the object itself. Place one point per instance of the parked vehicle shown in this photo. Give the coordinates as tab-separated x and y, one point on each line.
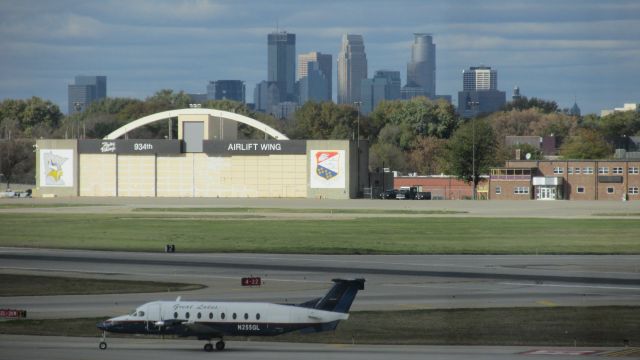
423	195
388	194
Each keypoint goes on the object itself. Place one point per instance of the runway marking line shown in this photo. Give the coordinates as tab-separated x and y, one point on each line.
630	352
546	303
561	352
573	286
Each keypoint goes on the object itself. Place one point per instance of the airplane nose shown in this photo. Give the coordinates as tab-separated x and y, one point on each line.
105	325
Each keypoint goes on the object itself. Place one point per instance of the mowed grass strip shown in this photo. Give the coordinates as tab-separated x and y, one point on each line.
33	285
352	236
560	326
300	211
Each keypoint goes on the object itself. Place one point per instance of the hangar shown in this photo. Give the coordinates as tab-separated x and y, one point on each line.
206	160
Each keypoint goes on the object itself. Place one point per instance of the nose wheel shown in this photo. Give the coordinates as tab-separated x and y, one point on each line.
103	342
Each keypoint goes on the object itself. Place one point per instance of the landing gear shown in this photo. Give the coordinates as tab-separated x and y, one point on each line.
220	345
208	347
103	343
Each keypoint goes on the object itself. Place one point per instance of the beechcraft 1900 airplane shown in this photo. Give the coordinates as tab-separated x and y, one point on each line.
214	320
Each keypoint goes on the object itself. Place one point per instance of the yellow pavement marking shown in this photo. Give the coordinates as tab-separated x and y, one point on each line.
624	353
546	303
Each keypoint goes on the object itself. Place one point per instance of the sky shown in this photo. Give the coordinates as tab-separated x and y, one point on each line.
587	50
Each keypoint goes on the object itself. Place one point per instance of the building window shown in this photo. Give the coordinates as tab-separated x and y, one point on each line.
521	190
498	190
577	171
633	170
570	171
610	190
633	190
603	170
580	189
617	170
587	170
558	170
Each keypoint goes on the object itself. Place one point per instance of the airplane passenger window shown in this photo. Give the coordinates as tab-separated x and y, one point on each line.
186	315
210	315
175	315
199	315
222	316
234	316
257	316
246	316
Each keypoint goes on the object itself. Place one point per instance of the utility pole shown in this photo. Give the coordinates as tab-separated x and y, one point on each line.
358	103
474	105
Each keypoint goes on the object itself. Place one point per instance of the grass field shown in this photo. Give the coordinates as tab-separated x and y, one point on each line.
561	326
299	211
30	285
428	235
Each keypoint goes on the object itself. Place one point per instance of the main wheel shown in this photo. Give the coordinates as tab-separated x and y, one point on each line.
220	345
103	345
208	347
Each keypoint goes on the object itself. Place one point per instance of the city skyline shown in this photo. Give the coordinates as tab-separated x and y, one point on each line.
559	51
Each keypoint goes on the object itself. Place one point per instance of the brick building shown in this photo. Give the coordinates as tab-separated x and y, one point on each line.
566	179
443	187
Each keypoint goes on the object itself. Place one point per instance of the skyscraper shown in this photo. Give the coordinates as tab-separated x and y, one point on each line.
84	91
352	68
325	66
226	90
282	63
313	85
480	94
421	70
385	85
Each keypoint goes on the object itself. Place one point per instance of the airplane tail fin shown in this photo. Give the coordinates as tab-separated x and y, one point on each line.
339	298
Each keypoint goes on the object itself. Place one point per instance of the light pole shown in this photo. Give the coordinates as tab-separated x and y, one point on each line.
357	104
473	105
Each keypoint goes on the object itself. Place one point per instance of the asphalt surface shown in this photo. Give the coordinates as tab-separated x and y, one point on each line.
394	282
64	348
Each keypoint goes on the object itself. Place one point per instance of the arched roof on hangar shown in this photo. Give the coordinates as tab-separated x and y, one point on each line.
196	111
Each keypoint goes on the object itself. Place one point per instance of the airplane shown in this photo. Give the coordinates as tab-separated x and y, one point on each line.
214	320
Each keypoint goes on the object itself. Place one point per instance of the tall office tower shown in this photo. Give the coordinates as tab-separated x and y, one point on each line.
84	91
282	63
385	85
421	70
352	68
265	95
313	85
325	65
480	94
479	78
226	90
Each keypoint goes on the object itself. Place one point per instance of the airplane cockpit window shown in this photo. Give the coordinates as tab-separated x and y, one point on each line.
134	313
140	313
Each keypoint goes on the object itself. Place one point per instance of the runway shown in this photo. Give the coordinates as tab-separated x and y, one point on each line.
394	282
63	348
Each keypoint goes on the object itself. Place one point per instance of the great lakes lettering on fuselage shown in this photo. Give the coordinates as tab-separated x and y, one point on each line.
214	320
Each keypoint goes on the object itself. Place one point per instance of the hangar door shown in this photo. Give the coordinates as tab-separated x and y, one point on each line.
193	134
136	175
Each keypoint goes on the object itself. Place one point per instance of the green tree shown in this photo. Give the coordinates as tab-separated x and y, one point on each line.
328	121
460	154
383	155
616	126
524	103
586	144
34	116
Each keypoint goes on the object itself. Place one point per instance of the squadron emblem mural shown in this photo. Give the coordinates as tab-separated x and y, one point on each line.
327	169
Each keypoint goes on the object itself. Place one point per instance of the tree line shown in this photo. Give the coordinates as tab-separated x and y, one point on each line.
417	135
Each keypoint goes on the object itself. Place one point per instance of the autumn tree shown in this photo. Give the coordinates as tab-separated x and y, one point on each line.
586	144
